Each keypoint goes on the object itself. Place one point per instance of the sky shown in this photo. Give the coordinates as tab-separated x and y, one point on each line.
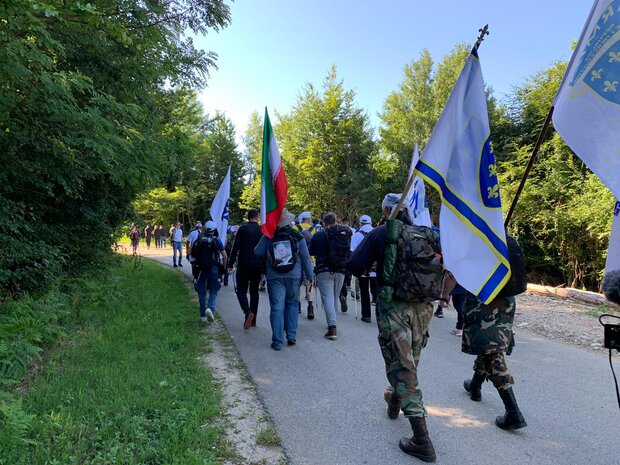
273	47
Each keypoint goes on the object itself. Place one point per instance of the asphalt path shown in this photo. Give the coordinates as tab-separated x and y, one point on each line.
325	397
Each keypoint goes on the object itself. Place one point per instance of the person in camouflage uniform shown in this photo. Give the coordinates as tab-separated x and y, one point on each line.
403	333
487	333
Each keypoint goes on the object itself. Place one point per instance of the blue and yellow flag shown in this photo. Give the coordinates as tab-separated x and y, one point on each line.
458	161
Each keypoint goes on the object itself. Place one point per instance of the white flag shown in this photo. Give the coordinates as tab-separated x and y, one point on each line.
458	161
219	208
415	199
613	254
587	105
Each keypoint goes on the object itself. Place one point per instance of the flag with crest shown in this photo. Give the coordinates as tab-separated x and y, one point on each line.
219	207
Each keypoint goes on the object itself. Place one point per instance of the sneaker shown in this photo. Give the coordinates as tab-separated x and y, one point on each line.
203	319
175	265
275	346
366	319
249	318
457	332
331	333
210	317
343	304
180	265
310	311
439	312
291	342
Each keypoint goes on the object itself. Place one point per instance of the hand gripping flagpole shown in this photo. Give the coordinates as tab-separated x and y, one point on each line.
484	31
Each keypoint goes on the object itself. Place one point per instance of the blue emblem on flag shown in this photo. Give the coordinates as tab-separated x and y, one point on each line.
603	44
487	175
225	212
617	209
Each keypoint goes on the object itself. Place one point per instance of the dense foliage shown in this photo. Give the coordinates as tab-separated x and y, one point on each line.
87	103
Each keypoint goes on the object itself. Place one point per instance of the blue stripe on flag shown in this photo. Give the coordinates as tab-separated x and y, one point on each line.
478	224
494	283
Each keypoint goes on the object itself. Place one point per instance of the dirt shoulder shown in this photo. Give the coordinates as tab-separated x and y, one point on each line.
562	319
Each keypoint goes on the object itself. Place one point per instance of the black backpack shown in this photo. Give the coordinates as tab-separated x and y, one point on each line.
282	254
518	277
205	252
339	240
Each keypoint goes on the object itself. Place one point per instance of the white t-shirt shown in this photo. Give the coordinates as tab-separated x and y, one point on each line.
358	237
177	235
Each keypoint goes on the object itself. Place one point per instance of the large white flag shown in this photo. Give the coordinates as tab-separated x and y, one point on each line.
219	207
415	199
587	105
458	161
613	254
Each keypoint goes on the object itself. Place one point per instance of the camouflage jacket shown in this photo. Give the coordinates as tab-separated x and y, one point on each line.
487	329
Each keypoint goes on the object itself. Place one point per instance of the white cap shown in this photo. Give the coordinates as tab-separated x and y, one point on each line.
305	215
391	200
199	224
365	219
210	226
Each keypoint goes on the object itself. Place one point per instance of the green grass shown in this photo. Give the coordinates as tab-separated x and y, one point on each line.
269	437
126	386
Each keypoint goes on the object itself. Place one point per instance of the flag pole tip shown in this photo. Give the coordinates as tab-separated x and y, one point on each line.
484	31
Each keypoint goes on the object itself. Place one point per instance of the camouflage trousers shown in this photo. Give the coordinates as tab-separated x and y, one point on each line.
493	367
403	333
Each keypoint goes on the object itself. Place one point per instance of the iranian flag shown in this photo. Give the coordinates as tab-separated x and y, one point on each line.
274	188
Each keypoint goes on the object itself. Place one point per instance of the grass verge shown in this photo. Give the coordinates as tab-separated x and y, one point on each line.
124	385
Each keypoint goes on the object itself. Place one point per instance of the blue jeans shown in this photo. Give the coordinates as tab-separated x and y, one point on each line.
283	300
207	279
177	247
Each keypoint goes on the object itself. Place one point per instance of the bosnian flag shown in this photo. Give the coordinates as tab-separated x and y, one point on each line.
274	188
415	199
458	161
219	208
587	105
613	254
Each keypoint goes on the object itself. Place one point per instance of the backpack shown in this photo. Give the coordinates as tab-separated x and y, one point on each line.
416	263
282	253
206	252
517	284
339	241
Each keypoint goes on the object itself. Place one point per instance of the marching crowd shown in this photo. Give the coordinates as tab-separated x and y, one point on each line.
397	265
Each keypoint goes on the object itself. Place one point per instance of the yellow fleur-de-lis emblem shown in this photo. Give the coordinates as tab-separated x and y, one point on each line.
492	170
493	191
614	57
491	147
597	74
611	86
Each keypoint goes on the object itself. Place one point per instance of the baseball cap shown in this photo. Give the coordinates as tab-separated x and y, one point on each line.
365	219
198	224
210	226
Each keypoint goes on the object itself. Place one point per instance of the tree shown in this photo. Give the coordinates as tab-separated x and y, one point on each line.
326	146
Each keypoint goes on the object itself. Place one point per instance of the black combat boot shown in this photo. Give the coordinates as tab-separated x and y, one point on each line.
474	386
393	402
310	311
512	419
420	444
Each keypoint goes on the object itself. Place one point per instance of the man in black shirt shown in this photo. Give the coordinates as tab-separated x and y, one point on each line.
249	267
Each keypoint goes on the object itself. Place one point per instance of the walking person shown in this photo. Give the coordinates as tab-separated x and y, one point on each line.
156	237
331	247
134	235
249	267
307	229
162	236
176	238
403	313
148	234
288	262
367	281
192	237
209	257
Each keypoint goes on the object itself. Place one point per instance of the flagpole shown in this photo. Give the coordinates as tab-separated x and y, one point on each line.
530	164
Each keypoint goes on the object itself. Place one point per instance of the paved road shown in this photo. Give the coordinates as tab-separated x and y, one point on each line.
325	396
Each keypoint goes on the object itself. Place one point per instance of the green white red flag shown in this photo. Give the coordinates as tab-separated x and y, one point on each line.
274	187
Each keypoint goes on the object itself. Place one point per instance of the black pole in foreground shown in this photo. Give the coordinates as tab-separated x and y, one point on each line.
539	141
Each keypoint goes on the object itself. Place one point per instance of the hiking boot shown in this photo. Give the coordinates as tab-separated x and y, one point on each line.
512	419
331	333
474	386
419	445
249	319
343	304
393	403
439	312
310	311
